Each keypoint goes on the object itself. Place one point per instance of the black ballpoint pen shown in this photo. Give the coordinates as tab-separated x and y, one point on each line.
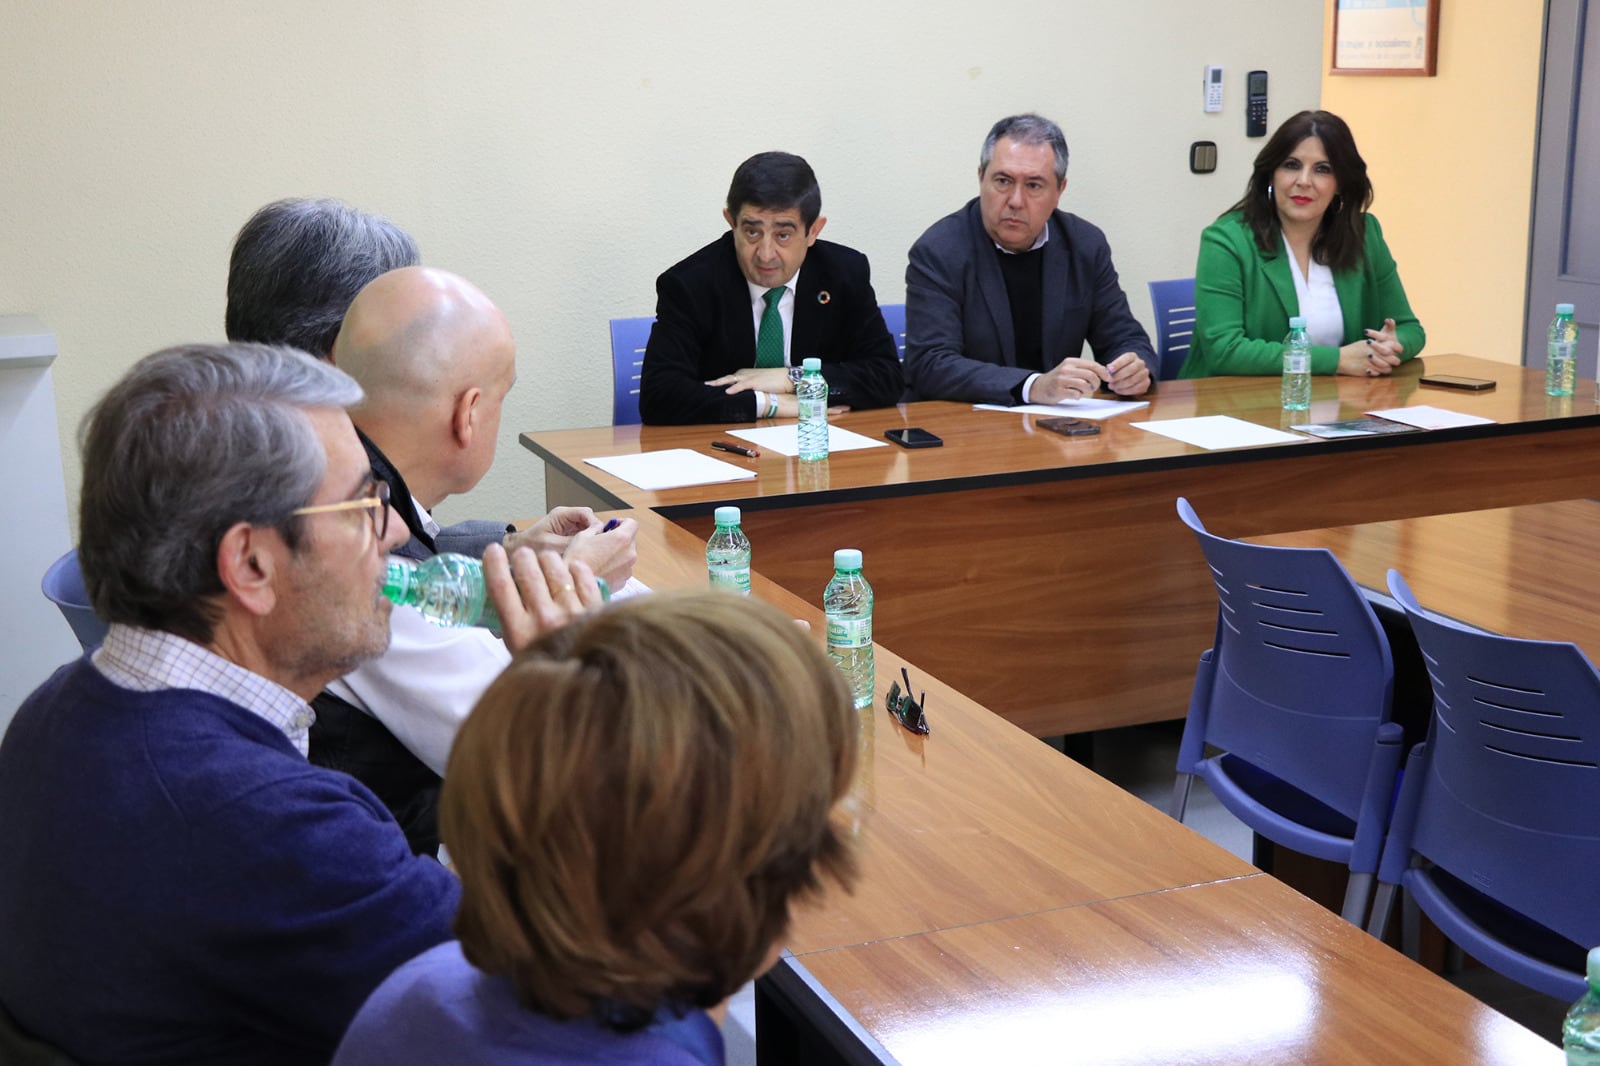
737	449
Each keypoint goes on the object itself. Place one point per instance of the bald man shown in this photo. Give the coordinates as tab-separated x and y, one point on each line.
436	360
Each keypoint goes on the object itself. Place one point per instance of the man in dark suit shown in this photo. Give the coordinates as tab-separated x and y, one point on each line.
735	319
1002	295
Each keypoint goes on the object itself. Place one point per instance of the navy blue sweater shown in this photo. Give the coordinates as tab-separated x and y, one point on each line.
178	885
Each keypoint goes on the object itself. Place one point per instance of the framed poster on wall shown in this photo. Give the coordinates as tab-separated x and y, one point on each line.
1394	37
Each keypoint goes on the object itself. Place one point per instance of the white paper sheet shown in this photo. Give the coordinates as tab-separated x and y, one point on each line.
670	469
1217	431
785	439
1424	416
1079	408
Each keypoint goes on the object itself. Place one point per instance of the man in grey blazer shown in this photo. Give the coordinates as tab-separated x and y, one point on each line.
1002	295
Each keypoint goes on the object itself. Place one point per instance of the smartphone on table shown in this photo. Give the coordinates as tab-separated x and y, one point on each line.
1069	427
1455	381
913	437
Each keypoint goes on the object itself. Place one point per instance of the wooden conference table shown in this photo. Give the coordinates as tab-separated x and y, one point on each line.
1527	571
1048	577
1015	908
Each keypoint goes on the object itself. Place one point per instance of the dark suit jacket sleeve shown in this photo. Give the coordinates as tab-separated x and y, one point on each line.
672	382
862	367
936	298
1112	327
470	537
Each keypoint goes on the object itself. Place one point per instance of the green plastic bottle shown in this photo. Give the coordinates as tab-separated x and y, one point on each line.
1580	1033
447	590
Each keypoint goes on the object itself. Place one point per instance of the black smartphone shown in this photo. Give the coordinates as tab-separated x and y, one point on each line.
1069	427
912	437
1452	381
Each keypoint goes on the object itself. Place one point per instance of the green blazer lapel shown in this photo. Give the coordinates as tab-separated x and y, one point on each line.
1348	284
1280	277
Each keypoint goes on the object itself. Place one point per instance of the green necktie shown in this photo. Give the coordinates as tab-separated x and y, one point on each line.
769	339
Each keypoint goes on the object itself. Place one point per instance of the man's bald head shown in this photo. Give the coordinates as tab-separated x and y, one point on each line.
436	359
415	337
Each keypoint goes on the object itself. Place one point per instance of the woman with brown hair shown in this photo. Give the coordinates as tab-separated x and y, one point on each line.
632	807
1301	242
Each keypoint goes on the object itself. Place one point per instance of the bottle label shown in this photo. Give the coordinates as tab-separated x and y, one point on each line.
737	580
849	632
813	409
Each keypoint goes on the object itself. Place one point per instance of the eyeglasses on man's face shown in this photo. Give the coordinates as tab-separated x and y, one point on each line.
906	710
376	505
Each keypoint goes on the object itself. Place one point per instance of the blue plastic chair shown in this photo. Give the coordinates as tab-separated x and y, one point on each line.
894	316
628	338
63	586
1495	831
1174	305
1296	694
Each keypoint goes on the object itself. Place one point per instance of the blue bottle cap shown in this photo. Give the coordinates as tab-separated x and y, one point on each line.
1564	309
726	516
811	364
847	559
1297	322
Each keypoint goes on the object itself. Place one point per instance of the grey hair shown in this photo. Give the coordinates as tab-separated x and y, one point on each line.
297	264
192	441
1027	129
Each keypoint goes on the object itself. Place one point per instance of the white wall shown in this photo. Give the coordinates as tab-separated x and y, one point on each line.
561	155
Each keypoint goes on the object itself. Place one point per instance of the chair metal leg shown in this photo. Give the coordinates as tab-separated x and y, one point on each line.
1356	894
1410	927
1180	795
1382	904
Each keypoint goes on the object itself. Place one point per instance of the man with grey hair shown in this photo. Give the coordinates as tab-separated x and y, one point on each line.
297	264
179	884
1002	295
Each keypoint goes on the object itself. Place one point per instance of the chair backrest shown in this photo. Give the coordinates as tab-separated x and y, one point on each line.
63	586
894	316
1174	305
1303	675
1510	779
628	338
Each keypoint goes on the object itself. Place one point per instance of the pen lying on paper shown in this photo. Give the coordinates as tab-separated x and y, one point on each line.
737	449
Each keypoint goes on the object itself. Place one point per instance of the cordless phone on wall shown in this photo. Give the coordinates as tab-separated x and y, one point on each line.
1255	107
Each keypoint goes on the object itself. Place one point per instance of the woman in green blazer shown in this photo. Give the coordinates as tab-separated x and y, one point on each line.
1301	243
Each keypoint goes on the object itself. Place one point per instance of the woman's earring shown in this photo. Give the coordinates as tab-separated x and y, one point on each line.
1338	201
1269	190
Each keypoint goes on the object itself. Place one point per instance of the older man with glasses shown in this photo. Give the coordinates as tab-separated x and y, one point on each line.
179	884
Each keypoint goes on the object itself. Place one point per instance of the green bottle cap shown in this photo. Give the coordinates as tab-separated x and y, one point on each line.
1297	322
811	365
726	516
1564	309
1594	968
847	559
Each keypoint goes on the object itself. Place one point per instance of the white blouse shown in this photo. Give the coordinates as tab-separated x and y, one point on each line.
1319	301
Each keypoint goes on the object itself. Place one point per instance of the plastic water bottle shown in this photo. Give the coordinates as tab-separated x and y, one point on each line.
728	553
447	590
847	604
812	392
1580	1033
1296	367
1561	358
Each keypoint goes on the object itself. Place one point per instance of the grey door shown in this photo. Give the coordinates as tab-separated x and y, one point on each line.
1564	260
